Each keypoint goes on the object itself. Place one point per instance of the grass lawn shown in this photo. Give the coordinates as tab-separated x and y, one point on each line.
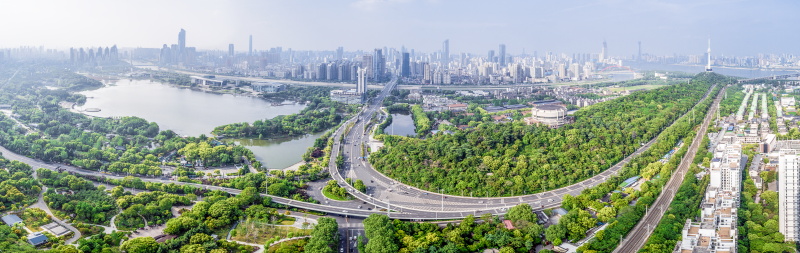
259	232
646	87
330	195
287	221
290	246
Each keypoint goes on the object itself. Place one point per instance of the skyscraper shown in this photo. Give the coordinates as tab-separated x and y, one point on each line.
361	85
181	45
604	52
502	55
446	53
490	56
230	50
250	50
405	65
378	65
366	61
639	57
789	193
339	53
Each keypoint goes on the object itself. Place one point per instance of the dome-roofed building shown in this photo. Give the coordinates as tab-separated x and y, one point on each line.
551	115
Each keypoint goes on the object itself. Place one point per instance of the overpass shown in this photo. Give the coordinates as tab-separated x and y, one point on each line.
777	77
387	192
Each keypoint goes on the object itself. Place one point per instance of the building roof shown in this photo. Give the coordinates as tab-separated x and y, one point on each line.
11	219
37	239
550	107
509	224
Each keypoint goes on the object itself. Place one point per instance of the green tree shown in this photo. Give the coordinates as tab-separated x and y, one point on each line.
140	245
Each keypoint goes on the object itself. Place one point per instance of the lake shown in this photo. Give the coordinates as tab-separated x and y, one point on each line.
192	113
402	125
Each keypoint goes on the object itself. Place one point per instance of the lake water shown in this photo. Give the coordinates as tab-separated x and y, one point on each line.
271	153
402	124
189	112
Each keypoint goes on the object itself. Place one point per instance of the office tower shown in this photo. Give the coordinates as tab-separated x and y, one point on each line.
446	53
502	55
603	52
405	66
250	49
490	57
708	66
639	58
321	71
361	85
366	61
789	192
230	50
181	45
339	53
332	71
378	65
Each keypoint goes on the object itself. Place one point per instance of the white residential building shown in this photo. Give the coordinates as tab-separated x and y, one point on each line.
716	231
789	189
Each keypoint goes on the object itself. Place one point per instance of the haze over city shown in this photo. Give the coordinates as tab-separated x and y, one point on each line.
663	27
383	126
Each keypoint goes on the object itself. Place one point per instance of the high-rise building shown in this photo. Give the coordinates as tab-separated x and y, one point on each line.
378	65
366	61
490	56
181	45
789	190
502	55
230	50
446	53
361	84
604	52
405	66
339	53
639	57
250	49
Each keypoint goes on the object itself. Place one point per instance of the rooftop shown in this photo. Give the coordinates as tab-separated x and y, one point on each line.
11	219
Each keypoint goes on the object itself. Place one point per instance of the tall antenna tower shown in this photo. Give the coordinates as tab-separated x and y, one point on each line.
708	66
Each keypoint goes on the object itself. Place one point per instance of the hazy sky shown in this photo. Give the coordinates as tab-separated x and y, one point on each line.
664	27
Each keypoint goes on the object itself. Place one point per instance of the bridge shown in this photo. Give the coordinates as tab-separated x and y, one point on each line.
777	77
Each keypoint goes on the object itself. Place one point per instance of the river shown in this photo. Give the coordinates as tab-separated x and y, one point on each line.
192	113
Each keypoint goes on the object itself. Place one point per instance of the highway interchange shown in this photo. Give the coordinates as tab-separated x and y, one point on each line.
387	196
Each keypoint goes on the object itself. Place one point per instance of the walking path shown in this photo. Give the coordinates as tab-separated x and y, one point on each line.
41	205
288	239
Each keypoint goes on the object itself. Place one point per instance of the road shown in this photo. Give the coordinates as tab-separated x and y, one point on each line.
387	192
637	237
330	209
395	200
41	205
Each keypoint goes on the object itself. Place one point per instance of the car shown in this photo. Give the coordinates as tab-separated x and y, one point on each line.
344	211
359	206
341	250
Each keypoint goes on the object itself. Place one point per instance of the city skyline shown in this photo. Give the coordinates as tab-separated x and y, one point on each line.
662	28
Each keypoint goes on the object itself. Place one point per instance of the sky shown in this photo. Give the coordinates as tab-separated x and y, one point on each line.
736	28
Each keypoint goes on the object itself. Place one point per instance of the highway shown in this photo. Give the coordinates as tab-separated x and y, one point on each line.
394	199
386	192
637	237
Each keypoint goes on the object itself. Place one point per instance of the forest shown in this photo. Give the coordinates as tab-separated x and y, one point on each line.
470	235
320	114
18	188
513	158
